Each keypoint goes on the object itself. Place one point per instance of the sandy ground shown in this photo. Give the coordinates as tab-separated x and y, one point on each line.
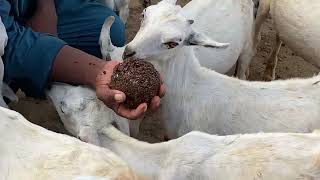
290	65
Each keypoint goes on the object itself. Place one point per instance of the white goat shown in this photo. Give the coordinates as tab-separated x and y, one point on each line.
296	23
5	90
202	156
30	152
91	114
201	99
227	21
209	157
122	6
236	27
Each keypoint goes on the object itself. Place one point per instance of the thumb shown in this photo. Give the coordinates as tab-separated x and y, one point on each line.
109	96
117	96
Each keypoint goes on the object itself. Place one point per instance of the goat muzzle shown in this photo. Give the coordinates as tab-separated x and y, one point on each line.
128	53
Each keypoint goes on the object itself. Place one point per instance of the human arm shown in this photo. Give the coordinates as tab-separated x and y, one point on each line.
74	66
33	59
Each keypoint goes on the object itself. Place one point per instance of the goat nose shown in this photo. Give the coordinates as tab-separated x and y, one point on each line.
128	52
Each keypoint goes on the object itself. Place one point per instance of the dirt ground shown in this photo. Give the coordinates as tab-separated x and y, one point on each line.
289	65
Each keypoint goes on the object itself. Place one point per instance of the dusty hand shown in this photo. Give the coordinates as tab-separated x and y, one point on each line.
114	99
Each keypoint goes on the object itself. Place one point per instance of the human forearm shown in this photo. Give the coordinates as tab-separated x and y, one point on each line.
74	66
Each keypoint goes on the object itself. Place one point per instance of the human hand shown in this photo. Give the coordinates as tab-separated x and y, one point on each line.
114	99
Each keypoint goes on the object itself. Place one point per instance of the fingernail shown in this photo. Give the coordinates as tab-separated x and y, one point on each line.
119	97
145	108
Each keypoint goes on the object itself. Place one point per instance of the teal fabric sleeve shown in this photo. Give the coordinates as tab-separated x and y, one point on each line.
28	55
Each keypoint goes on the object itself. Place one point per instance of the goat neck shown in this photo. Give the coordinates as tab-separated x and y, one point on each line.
144	158
182	71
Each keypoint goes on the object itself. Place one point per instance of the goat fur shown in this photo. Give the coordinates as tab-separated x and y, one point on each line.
31	152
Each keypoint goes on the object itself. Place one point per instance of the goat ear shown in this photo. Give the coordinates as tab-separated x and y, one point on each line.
106	46
170	1
198	39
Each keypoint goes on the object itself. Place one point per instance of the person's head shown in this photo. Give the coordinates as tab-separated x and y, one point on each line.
164	27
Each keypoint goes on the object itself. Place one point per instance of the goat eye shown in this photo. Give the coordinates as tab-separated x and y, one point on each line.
62	107
171	45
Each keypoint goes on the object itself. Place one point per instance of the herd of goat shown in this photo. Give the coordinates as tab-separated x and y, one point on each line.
215	122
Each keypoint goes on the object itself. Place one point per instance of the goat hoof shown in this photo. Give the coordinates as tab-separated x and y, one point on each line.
268	78
247	73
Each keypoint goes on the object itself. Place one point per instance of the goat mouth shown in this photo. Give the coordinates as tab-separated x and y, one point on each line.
134	58
128	54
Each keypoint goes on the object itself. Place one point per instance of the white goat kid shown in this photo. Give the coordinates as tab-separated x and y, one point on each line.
5	90
201	99
209	157
226	21
122	6
297	25
31	152
91	114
